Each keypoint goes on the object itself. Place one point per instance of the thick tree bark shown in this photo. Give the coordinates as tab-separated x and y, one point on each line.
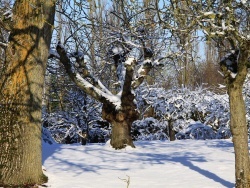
21	93
121	134
121	121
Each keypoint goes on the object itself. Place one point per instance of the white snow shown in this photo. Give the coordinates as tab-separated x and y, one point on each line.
158	62
54	53
141	70
103	87
211	15
130	61
154	164
208	13
233	75
115	99
221	86
243	1
133	44
117	50
8	14
85	83
227	8
223	25
220	32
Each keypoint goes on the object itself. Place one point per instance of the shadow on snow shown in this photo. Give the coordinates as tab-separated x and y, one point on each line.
95	158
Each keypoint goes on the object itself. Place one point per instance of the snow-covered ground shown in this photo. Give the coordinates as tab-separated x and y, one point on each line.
152	164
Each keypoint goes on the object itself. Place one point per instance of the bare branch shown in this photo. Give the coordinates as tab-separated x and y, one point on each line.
86	86
126	91
143	72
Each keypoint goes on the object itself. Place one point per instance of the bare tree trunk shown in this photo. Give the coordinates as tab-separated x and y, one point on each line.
240	137
238	121
121	121
92	11
21	93
121	135
171	132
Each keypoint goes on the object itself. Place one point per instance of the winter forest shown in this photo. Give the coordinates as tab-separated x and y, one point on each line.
92	73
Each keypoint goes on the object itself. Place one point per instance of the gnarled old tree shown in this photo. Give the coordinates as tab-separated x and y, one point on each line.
226	22
118	108
123	45
21	91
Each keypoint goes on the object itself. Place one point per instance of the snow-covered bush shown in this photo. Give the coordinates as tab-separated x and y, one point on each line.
196	131
46	136
198	114
183	108
80	115
65	129
149	129
62	126
99	132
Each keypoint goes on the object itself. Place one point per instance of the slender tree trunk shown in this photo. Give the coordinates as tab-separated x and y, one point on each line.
92	11
238	123
171	132
21	93
240	137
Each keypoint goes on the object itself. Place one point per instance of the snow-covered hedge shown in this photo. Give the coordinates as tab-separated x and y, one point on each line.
66	129
200	131
149	129
197	114
81	114
188	111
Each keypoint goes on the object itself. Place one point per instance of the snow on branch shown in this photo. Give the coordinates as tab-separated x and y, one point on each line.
3	44
142	73
89	88
126	90
230	61
221	24
53	54
82	68
86	73
8	14
145	68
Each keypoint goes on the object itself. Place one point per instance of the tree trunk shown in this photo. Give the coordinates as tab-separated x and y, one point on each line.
21	93
171	132
240	137
121	121
121	134
238	123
